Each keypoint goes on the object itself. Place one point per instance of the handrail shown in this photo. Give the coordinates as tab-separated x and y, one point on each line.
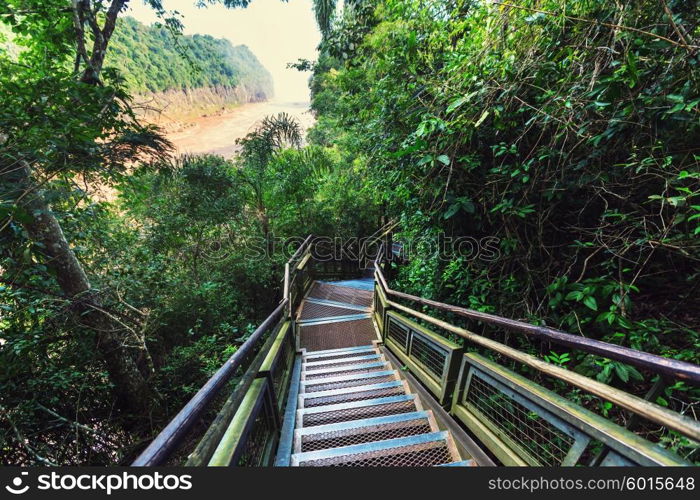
288	266
301	248
685	425
170	437
670	367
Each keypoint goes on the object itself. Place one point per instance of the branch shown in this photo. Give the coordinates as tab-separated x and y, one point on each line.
77	425
78	22
675	26
23	441
600	23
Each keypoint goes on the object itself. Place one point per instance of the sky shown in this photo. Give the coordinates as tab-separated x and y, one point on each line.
277	32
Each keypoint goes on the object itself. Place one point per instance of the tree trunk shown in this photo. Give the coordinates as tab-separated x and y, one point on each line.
130	384
84	13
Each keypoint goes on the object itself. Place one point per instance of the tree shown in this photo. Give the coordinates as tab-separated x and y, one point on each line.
69	121
325	11
257	150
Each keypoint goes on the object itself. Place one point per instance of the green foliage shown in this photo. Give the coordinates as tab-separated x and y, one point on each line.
325	12
558	359
151	59
152	258
572	142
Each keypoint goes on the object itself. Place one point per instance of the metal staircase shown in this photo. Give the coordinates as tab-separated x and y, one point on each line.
349	372
355	410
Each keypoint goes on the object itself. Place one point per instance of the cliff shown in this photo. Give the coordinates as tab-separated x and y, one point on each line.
178	78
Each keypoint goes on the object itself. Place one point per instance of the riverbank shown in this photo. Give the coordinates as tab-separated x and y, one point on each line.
217	134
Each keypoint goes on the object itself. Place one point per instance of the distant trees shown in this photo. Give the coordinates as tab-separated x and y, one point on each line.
152	60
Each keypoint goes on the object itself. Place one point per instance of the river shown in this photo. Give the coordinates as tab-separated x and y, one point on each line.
217	134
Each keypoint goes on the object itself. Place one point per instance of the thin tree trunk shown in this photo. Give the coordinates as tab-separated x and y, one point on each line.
100	35
130	384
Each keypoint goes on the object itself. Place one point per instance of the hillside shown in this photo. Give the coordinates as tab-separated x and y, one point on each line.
189	75
536	165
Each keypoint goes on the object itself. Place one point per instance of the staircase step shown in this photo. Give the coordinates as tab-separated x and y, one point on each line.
333	303
333	319
422	450
343	381
347	390
354	424
363	431
342	361
358	393
344	370
356	410
338	352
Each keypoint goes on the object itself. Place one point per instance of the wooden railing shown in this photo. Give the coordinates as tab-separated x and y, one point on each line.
501	407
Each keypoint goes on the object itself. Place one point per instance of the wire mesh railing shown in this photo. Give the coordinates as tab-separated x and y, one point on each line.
509	426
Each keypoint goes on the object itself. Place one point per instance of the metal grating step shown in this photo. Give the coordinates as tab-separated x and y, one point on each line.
388	432
344	305
306	431
365	433
366	386
310	357
342	350
329	363
341	294
373	391
423	450
339	334
356	410
345	370
366	284
334	319
346	382
313	310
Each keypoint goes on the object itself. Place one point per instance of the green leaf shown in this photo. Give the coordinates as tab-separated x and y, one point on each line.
459	102
635	374
454	208
444	159
591	303
622	372
456	104
632	68
483	117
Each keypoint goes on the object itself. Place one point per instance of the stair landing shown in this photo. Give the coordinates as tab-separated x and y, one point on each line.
336	315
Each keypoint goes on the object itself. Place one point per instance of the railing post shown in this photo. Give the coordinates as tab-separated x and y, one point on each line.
388	256
286	289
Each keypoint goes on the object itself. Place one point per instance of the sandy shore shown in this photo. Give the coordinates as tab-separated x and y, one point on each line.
218	134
